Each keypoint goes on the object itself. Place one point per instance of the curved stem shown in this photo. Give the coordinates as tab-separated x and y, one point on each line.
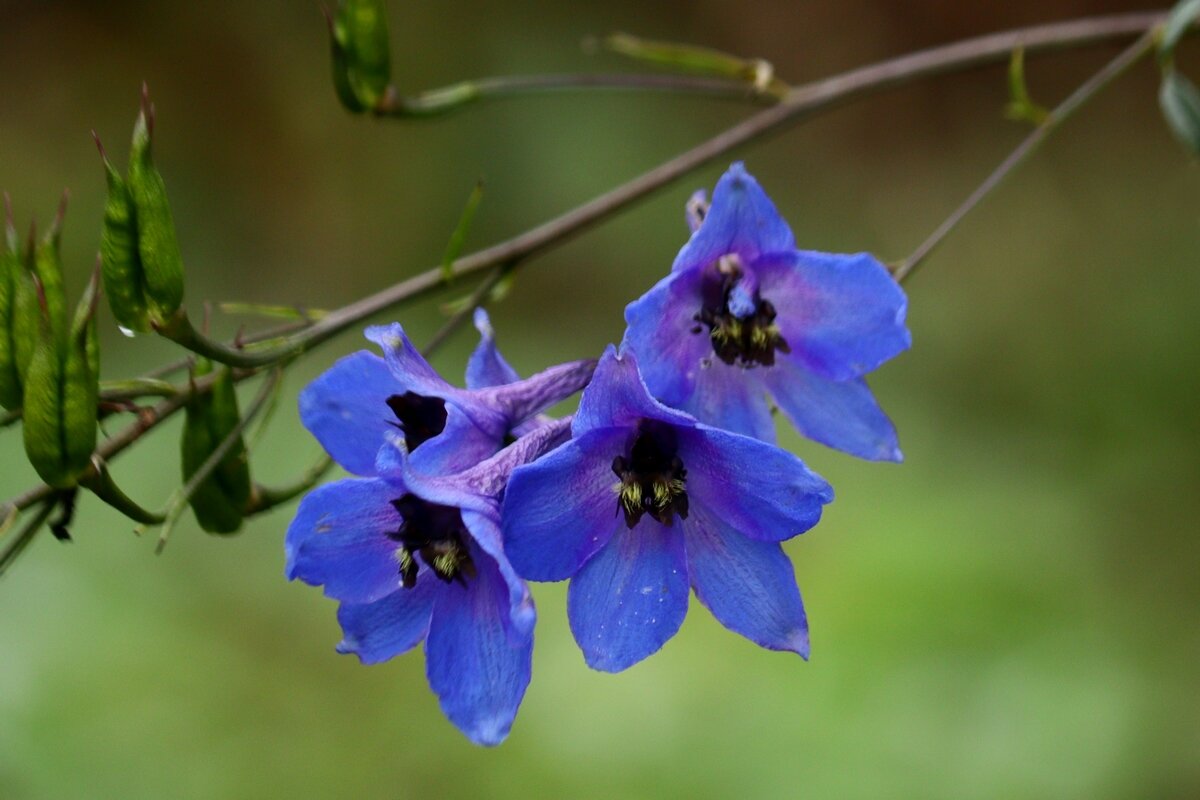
800	103
23	537
1076	100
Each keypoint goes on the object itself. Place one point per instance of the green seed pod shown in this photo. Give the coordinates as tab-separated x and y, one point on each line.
221	500
47	265
10	273
121	265
61	393
157	246
362	60
27	309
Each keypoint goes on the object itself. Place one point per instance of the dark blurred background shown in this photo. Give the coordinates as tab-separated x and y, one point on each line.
1011	613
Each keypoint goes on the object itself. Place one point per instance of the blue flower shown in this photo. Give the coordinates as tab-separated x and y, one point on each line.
643	503
413	558
354	405
745	314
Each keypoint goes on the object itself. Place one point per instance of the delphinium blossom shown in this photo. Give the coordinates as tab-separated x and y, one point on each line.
353	405
745	314
413	550
417	558
645	503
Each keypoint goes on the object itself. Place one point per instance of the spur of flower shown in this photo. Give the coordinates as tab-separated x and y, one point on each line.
418	558
363	397
645	503
744	314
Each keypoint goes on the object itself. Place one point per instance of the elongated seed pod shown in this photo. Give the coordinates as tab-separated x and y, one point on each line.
220	501
157	246
121	265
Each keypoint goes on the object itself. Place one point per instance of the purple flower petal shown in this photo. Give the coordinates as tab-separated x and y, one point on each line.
559	510
662	335
461	444
759	490
475	665
741	220
339	539
618	398
840	414
346	409
631	597
391	625
748	585
486	367
842	315
519	401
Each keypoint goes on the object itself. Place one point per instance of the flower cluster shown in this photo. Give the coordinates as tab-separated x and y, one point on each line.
666	480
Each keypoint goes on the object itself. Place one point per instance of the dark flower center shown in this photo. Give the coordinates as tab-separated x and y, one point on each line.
653	480
744	338
420	417
436	534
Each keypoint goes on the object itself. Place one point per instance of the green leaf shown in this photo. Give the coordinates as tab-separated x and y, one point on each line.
1180	101
458	239
1183	16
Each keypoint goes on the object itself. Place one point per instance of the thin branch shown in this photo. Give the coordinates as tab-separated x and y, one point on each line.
23	537
799	104
1076	100
477	298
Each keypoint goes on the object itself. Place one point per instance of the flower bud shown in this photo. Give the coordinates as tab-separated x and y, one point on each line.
362	62
157	272
61	393
220	501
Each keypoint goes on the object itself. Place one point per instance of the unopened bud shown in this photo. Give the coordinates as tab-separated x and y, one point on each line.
10	274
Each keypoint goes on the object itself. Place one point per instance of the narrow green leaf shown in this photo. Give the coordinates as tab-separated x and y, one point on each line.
1183	16
1180	101
458	239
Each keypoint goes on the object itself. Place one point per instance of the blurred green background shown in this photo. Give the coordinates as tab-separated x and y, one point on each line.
1011	613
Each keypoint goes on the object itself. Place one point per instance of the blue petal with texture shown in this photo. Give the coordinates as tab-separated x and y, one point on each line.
617	397
840	414
346	409
486	367
748	585
476	666
665	338
741	220
631	597
842	315
391	625
559	510
760	490
339	539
